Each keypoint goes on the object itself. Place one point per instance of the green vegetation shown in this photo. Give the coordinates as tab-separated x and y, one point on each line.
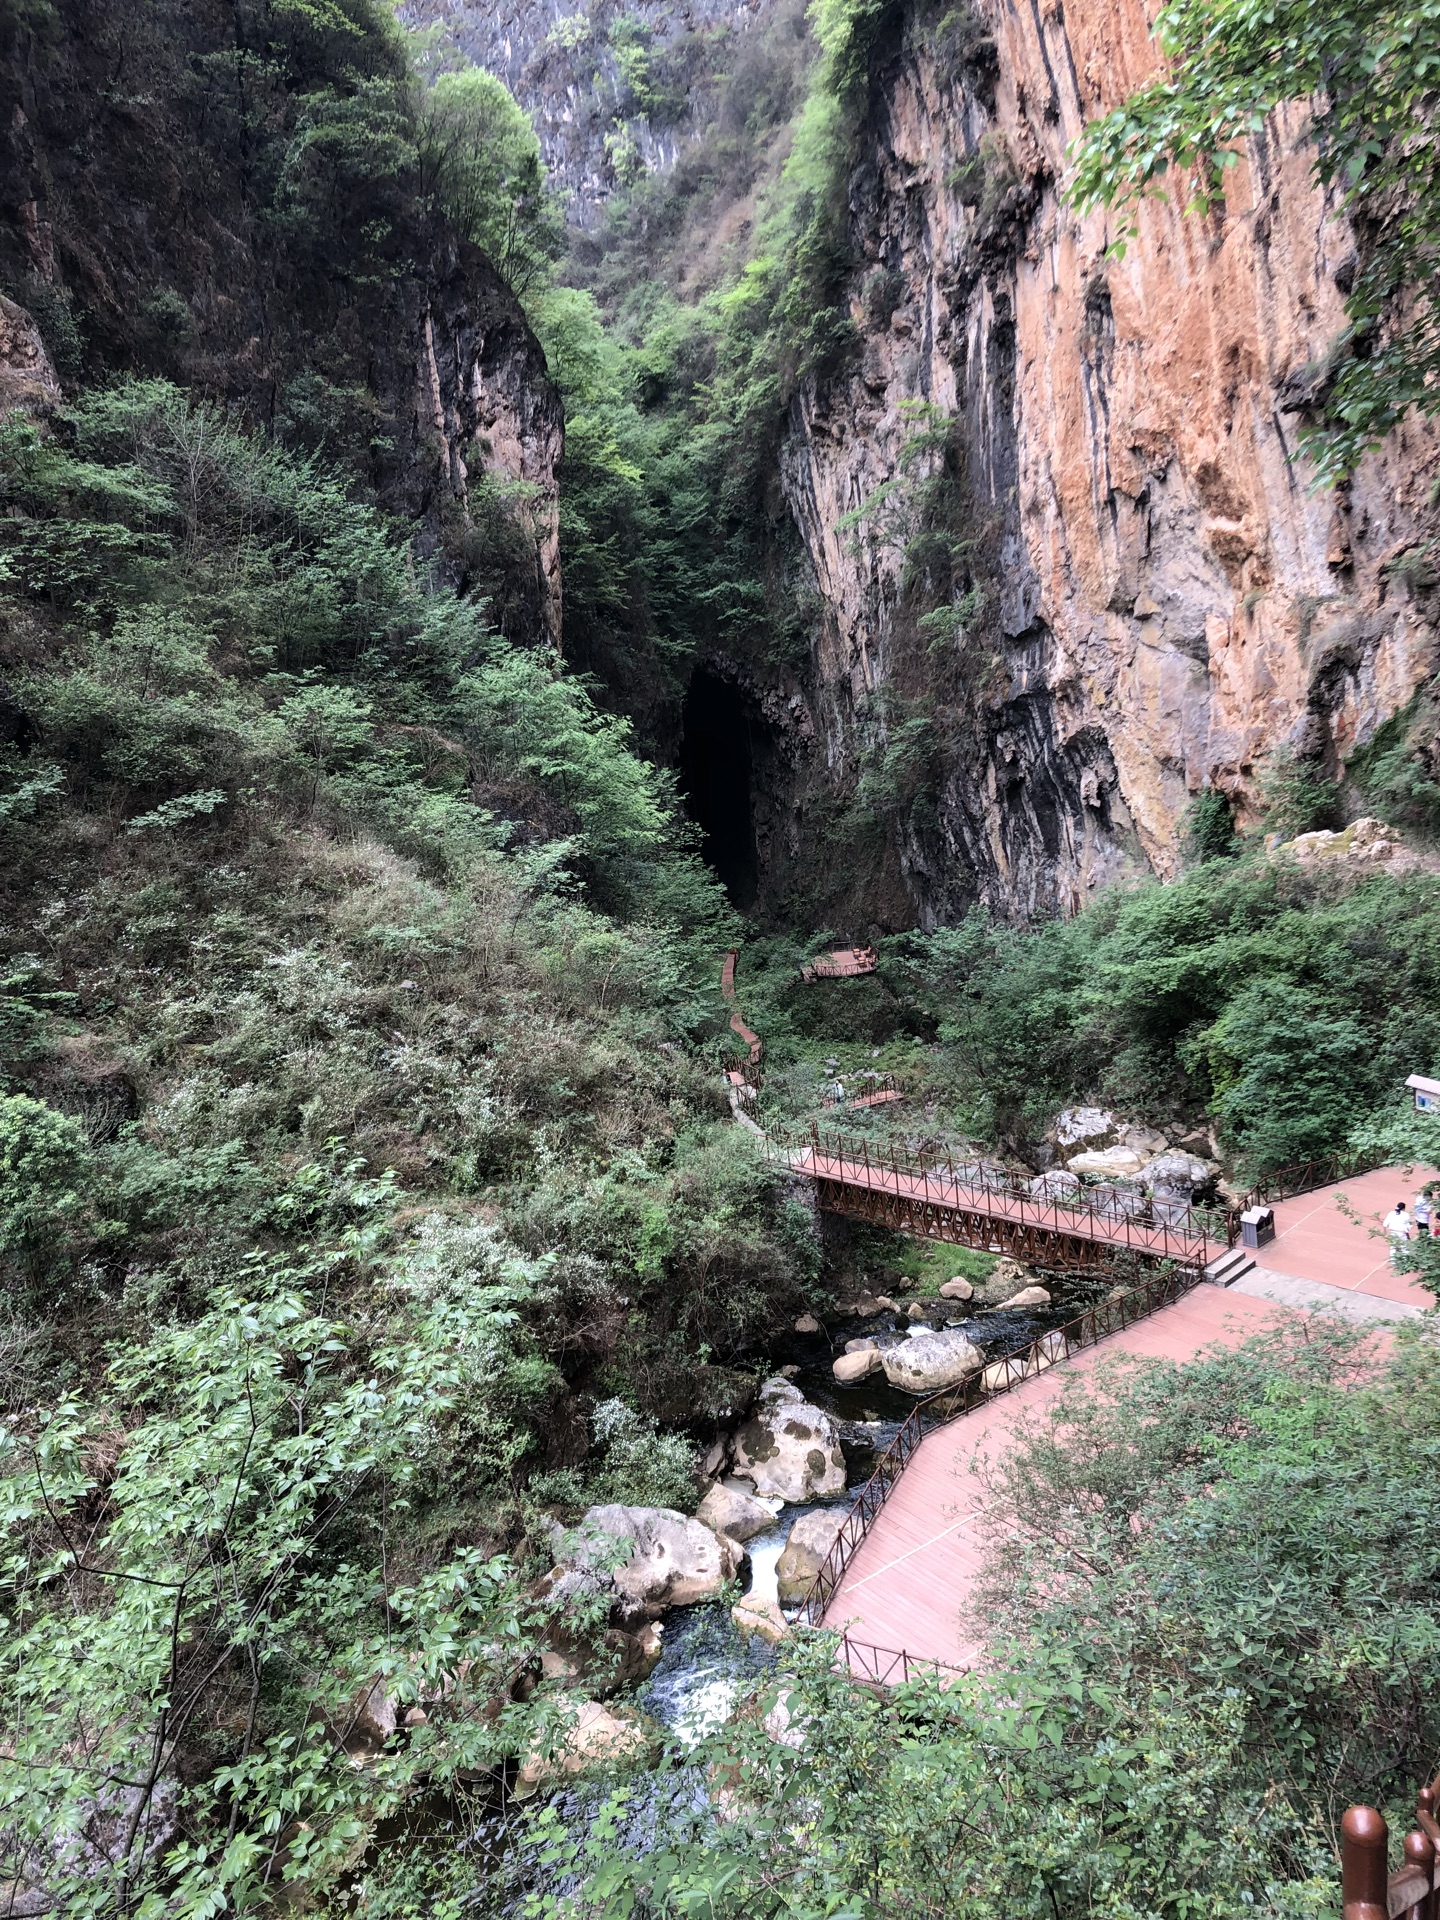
1215	1631
1288	1006
365	1192
1366	69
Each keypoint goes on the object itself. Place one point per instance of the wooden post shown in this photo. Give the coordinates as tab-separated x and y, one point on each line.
1364	1881
1420	1854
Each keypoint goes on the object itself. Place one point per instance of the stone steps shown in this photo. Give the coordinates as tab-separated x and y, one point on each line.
1230	1267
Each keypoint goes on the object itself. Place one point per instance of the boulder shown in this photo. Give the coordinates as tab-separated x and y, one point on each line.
762	1618
1051	1348
1078	1129
1179	1172
733	1511
930	1361
806	1551
916	1311
807	1323
850	1367
862	1345
865	1305
957	1289
620	1660
1029	1297
712	1461
598	1736
790	1448
1058	1184
1116	1202
1114	1163
884	1304
1144	1141
646	1558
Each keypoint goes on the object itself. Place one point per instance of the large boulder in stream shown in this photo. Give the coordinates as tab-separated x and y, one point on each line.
806	1551
858	1362
646	1558
789	1448
734	1511
926	1362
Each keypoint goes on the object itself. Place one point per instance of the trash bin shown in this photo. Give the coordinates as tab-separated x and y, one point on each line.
1257	1226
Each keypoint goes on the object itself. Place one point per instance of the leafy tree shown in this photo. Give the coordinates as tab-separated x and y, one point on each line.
1209	827
480	156
43	1160
1368	69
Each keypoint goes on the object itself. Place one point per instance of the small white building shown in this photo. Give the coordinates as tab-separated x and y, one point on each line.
1427	1093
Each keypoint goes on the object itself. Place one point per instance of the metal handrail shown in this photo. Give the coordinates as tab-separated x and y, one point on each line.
998	1377
878	1664
942	1182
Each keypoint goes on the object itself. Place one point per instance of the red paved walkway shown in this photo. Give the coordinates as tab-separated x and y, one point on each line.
907	1585
1316	1239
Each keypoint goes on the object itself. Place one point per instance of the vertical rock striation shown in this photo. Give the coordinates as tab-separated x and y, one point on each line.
1167	597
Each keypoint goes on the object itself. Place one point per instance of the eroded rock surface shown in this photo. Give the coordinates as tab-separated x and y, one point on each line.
926	1362
790	1448
648	1558
810	1541
1167	596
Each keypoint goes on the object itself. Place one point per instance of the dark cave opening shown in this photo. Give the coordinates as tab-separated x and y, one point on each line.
715	779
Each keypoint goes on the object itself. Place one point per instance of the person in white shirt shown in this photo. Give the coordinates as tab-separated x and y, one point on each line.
1397	1222
1422	1212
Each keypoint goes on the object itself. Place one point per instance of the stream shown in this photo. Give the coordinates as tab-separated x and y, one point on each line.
707	1663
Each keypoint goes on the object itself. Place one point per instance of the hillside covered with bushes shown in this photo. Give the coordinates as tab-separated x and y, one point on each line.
371	1202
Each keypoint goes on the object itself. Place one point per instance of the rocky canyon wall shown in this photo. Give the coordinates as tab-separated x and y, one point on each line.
1168	598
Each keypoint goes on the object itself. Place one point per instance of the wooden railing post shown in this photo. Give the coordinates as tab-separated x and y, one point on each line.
1420	1855
1364	1881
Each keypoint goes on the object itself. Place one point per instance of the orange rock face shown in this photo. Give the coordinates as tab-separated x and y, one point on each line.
1170	597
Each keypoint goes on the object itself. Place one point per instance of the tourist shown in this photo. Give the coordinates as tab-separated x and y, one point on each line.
1397	1222
1421	1213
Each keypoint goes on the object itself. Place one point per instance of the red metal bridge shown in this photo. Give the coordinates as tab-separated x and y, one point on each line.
971	1205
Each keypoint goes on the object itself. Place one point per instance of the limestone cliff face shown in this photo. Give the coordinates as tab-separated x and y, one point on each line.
613	88
1168	598
133	230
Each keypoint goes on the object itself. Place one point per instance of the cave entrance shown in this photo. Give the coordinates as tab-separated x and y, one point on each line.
716	765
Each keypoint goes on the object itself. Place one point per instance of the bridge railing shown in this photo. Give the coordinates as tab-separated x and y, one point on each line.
1127	1218
888	1666
1368	1891
1097	1323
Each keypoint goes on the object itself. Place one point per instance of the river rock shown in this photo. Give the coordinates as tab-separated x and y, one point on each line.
597	1736
1115	1163
672	1561
1080	1129
734	1512
1179	1172
807	1323
1029	1297
811	1539
916	1311
790	1448
957	1289
1058	1184
865	1305
862	1345
850	1367
884	1304
930	1361
761	1618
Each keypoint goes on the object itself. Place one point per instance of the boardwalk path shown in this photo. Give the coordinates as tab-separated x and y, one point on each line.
909	1582
908	1585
